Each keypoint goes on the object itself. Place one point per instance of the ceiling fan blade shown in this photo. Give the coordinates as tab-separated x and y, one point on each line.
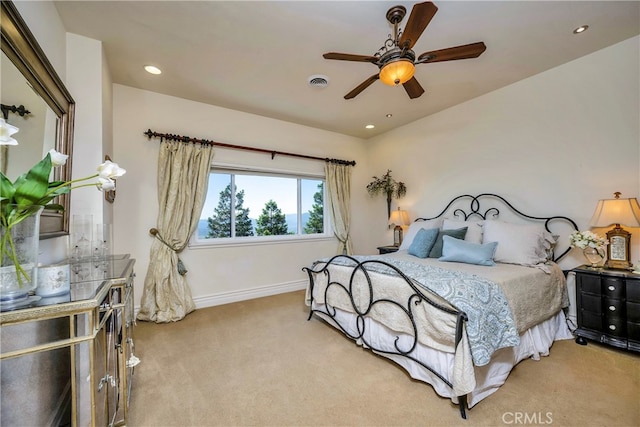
421	15
472	50
350	57
413	88
362	86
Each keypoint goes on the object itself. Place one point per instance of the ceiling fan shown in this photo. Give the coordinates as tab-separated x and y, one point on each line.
397	61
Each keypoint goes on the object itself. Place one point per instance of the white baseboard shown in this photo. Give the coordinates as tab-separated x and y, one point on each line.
245	294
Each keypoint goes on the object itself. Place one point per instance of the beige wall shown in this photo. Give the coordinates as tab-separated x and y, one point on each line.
85	82
80	63
227	273
553	144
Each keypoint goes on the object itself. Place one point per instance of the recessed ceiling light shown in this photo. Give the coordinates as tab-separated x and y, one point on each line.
369	126
389	115
580	29
152	70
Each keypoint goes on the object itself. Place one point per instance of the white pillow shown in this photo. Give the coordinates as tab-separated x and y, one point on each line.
415	227
474	229
524	244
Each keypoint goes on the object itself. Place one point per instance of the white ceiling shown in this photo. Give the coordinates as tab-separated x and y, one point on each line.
257	56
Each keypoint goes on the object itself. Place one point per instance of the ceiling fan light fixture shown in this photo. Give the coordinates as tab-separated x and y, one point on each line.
397	72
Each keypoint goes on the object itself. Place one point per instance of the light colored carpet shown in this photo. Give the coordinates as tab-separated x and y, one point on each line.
260	363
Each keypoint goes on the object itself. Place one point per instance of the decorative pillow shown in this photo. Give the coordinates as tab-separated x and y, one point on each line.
518	243
436	250
474	228
552	245
415	227
423	242
457	250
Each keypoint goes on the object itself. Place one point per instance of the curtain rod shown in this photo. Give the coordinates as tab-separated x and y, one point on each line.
170	137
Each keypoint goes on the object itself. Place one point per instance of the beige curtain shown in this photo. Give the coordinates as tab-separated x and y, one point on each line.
338	179
183	174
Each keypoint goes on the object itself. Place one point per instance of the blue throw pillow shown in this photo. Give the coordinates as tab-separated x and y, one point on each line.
457	250
436	250
423	242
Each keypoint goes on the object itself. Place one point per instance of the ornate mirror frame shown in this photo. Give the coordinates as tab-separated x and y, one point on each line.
23	50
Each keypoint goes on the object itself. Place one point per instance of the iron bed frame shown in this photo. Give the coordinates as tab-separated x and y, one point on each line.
418	296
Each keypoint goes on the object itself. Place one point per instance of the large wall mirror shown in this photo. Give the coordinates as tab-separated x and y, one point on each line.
28	79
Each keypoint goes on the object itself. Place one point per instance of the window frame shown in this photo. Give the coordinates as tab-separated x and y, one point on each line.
196	242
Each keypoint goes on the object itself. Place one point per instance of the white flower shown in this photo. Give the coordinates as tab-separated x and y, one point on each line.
584	239
110	170
105	184
57	158
6	130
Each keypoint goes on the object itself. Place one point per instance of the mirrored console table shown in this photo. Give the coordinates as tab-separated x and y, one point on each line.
69	359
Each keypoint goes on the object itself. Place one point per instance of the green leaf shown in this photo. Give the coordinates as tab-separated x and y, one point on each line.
6	188
54	184
52	194
54	207
35	185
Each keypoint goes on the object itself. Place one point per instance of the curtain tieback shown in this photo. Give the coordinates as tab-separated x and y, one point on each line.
182	270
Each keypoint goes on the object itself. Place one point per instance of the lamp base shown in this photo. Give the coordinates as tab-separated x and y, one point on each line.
397	235
618	265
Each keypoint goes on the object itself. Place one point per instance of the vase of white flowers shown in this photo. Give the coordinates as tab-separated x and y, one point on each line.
21	203
592	245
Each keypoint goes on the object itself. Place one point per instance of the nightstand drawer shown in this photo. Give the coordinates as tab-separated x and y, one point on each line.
633	331
633	312
591	303
590	320
614	307
633	290
615	326
589	284
613	287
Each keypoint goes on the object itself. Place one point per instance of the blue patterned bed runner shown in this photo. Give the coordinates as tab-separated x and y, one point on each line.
490	326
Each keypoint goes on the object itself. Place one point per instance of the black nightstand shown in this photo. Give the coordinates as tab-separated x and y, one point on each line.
387	249
608	307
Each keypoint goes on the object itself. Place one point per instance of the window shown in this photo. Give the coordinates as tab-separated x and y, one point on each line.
264	204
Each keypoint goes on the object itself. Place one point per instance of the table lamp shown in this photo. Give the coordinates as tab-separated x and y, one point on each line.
615	212
398	218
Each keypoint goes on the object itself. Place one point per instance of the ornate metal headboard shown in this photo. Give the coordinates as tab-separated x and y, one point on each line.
484	207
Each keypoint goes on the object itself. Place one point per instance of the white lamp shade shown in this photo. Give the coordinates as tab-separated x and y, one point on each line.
399	217
616	211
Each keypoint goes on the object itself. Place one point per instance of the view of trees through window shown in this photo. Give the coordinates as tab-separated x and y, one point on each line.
263	205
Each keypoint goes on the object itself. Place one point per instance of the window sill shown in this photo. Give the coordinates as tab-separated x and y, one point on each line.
261	241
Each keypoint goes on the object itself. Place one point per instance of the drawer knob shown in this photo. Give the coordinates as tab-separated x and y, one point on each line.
612	308
612	288
612	327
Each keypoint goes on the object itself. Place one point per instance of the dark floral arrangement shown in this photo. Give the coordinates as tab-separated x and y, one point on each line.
389	187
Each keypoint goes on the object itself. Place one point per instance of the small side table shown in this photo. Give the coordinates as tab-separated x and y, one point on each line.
387	249
608	307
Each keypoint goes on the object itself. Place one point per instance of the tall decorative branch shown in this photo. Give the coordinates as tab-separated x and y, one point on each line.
389	187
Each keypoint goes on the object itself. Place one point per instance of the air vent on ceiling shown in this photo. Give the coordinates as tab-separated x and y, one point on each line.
318	81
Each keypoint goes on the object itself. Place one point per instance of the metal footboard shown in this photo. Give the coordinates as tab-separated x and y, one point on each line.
363	310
